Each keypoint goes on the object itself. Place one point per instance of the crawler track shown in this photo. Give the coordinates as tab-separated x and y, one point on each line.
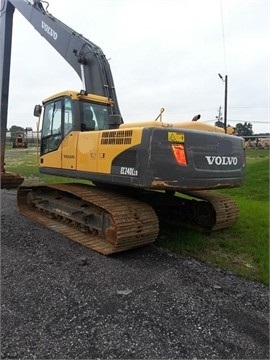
225	210
102	220
202	210
110	222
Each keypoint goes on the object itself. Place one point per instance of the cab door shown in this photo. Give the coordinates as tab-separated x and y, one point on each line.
69	153
70	137
87	151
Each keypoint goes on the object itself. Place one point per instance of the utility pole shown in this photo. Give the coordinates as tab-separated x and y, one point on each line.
225	100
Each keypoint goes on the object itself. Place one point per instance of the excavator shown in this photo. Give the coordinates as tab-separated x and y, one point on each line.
20	140
135	174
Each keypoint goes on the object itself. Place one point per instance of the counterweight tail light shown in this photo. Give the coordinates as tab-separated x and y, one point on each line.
179	154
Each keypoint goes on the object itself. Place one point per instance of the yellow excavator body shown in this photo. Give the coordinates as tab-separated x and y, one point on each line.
83	137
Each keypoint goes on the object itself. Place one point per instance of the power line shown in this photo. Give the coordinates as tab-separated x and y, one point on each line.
250	121
239	121
247	106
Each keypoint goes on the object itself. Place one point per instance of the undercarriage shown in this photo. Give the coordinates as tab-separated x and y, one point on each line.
109	222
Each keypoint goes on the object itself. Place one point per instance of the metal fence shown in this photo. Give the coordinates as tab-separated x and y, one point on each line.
32	138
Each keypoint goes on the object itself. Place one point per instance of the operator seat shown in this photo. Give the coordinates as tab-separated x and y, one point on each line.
88	121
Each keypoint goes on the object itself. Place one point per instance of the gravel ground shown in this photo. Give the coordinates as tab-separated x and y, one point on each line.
62	301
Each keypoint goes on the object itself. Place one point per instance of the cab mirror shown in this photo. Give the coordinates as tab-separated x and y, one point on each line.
37	110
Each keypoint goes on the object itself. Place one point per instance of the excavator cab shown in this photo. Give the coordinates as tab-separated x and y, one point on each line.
71	111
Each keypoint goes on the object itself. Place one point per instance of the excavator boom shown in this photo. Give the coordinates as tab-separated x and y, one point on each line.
86	58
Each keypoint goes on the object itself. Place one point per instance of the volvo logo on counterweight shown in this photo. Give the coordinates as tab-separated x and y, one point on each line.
49	30
222	160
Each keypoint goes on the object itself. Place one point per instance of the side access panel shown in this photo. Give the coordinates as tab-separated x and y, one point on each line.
87	151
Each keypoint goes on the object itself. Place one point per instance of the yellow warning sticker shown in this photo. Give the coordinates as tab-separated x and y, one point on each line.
176	137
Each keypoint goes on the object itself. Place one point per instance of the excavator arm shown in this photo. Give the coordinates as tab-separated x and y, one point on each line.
86	58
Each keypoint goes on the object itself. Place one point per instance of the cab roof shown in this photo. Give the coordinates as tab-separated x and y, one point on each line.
75	95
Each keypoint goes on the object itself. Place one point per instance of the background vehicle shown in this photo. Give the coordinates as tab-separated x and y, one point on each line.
20	140
83	136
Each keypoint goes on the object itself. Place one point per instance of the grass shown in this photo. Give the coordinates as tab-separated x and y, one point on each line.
242	249
25	163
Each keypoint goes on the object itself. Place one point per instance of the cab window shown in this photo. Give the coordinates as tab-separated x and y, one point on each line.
94	116
51	133
68	118
58	121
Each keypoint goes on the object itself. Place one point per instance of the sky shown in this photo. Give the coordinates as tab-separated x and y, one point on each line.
162	53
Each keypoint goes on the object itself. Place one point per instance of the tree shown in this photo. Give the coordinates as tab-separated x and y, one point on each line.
14	129
219	124
244	129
